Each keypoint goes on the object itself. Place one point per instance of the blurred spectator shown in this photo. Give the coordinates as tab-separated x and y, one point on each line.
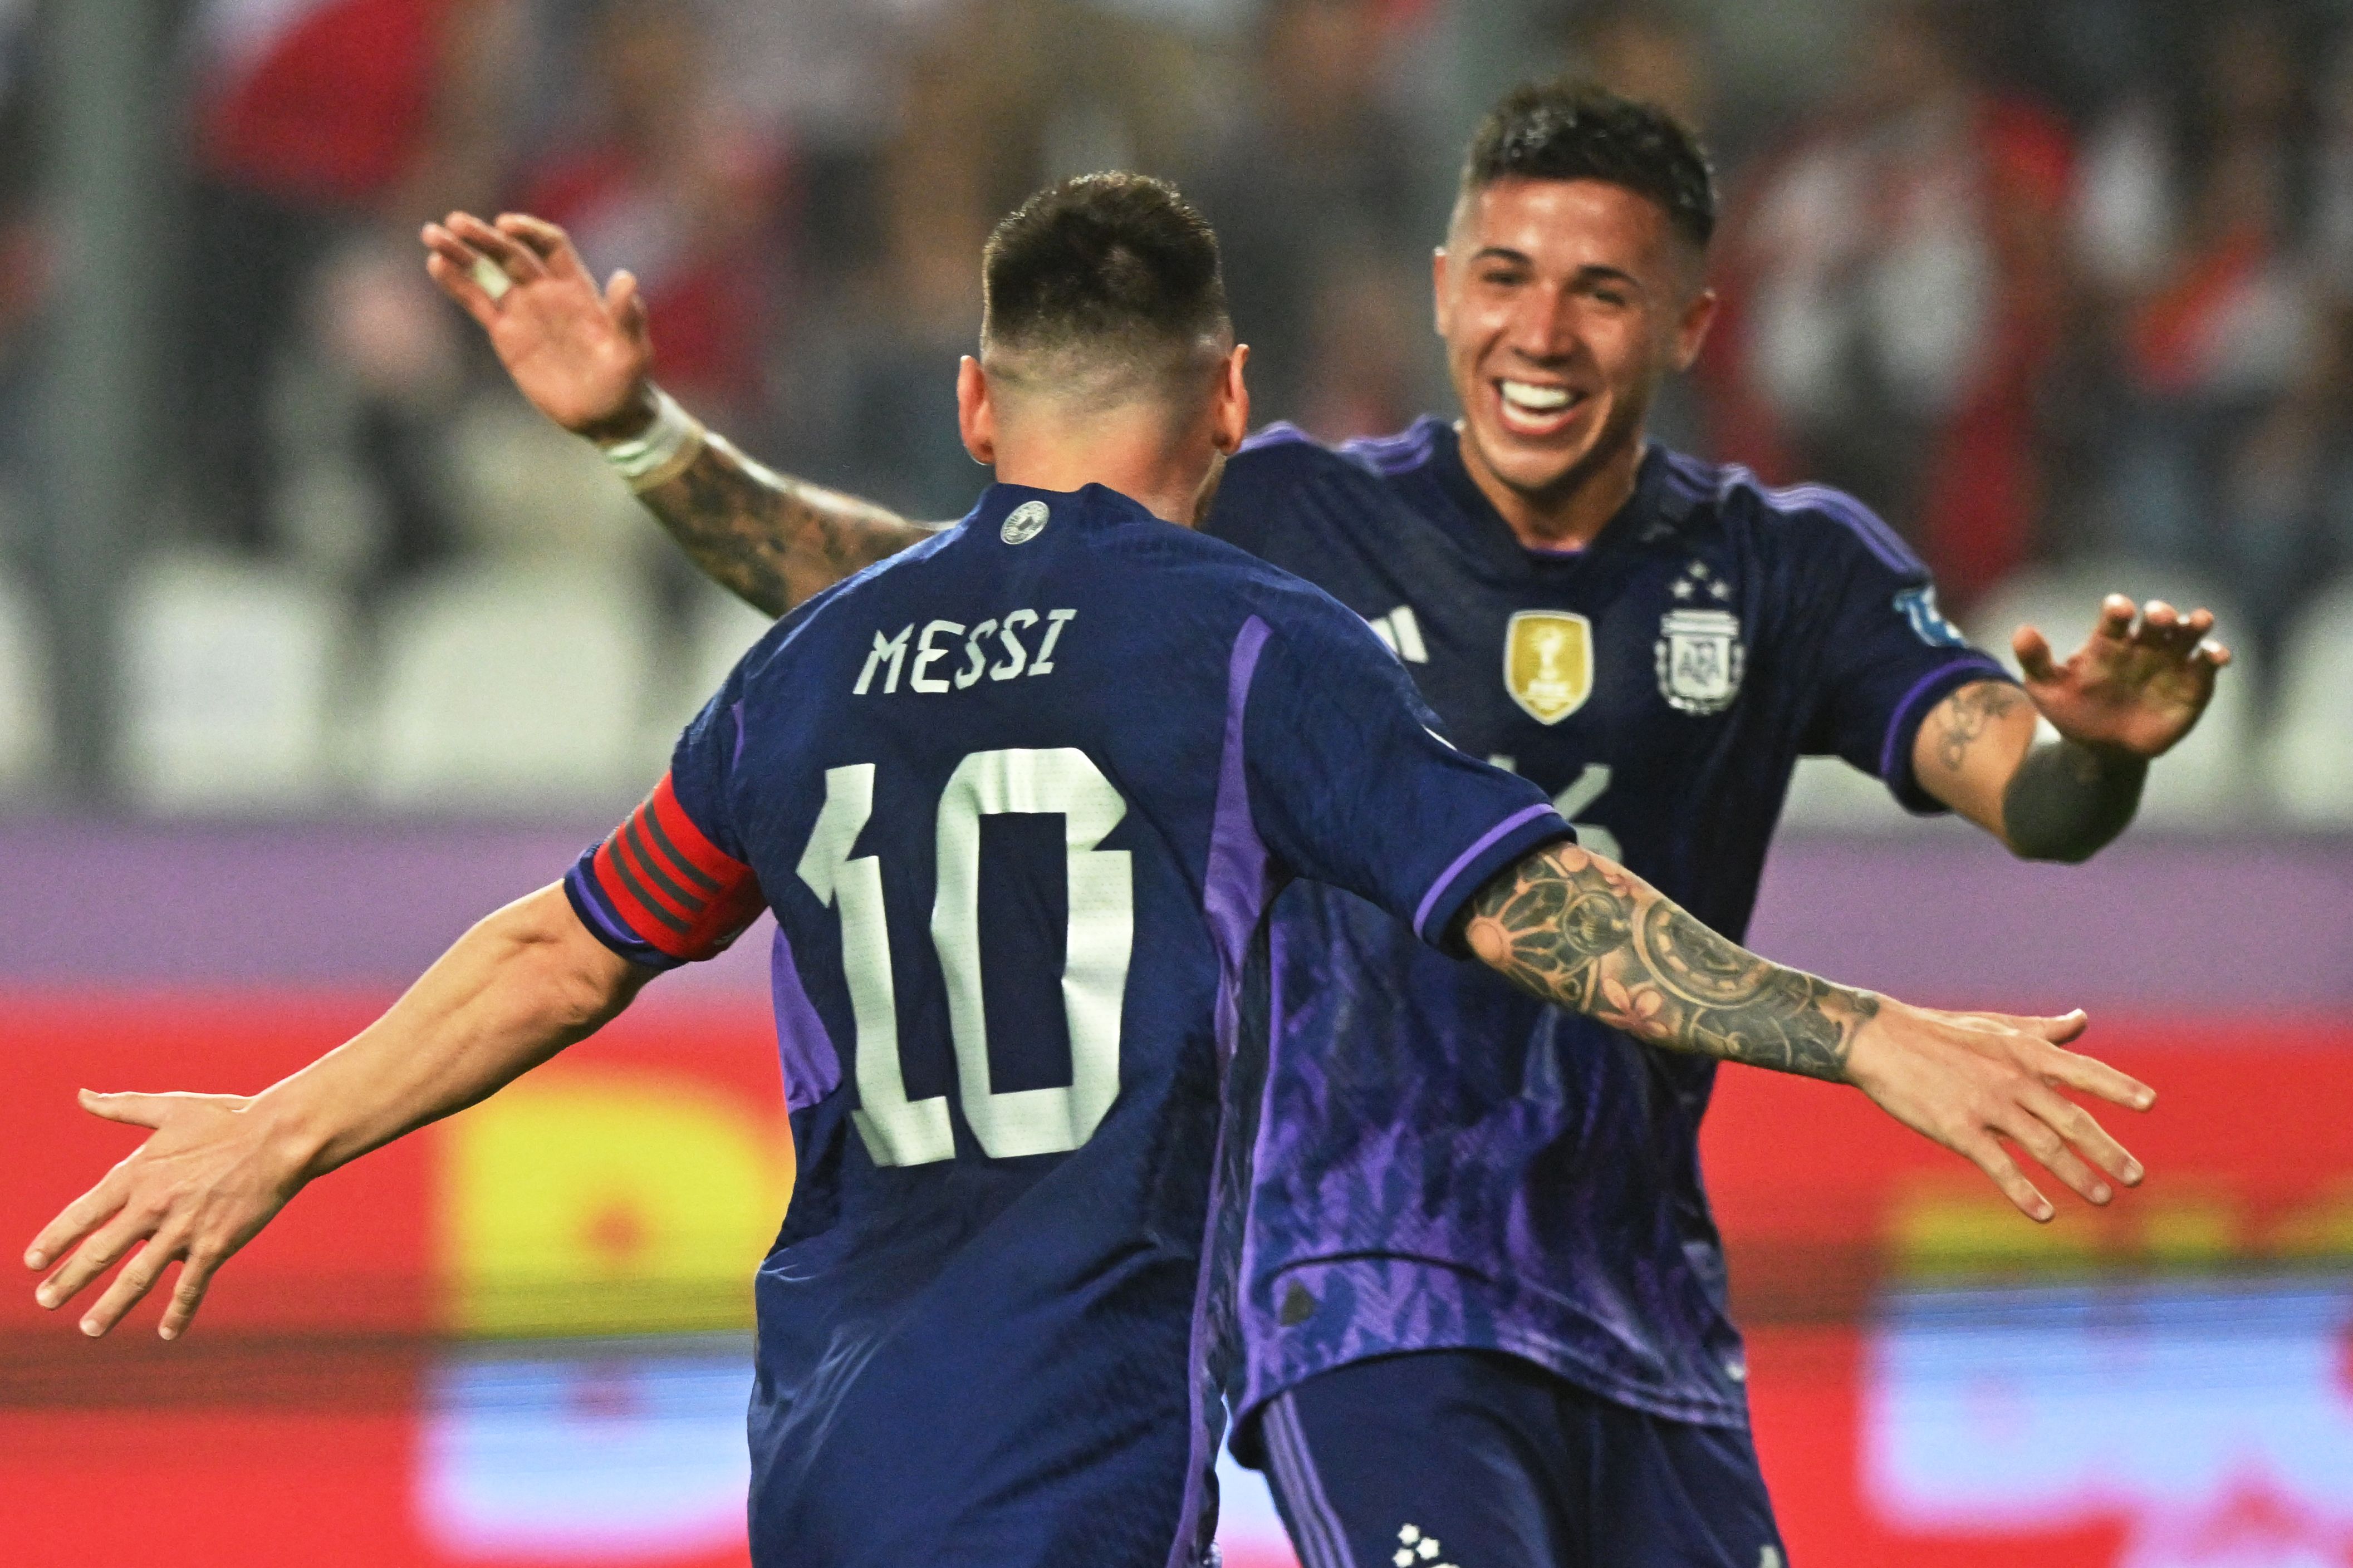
1310	187
26	274
324	130
1649	52
668	183
1894	279
999	97
2213	316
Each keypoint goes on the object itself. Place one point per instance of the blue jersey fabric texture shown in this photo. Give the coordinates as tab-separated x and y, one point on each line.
1444	1162
1019	799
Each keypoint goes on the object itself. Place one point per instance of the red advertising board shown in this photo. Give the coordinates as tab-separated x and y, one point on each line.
397	1371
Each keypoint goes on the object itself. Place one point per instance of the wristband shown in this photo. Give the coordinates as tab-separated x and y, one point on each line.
663	452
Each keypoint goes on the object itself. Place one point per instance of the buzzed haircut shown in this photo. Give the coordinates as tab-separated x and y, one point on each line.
1106	271
1572	129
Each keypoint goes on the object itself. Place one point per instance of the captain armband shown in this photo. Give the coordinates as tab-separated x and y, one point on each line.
665	451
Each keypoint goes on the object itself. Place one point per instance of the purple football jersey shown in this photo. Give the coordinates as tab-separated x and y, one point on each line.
1018	798
1443	1161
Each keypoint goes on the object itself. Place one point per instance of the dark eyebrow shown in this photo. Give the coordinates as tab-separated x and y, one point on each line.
1585	276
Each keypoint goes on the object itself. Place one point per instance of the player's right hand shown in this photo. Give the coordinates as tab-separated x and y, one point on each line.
583	358
1973	1080
211	1176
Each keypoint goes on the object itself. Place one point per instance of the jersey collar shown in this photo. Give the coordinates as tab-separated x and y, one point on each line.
1087	504
1493	537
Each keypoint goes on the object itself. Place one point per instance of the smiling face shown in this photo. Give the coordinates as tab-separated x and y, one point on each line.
1564	303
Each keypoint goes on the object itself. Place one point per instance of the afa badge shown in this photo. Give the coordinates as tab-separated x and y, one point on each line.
1700	657
1548	663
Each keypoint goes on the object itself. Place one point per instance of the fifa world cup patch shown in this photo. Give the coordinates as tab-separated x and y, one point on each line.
1699	652
1548	663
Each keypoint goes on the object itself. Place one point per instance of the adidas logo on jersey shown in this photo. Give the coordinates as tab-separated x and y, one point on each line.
1402	633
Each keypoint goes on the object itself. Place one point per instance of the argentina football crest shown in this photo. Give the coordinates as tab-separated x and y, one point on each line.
1548	663
1700	657
1699	652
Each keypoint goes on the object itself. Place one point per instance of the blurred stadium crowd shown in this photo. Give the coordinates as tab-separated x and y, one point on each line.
2064	288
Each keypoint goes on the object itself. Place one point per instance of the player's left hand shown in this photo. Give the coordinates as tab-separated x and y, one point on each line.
200	1188
2138	684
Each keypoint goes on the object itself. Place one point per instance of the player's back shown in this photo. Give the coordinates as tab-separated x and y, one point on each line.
1013	799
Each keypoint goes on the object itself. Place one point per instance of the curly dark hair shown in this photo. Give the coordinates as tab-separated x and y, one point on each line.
1117	262
1572	129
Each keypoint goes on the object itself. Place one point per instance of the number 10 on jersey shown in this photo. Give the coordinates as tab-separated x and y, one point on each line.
1101	939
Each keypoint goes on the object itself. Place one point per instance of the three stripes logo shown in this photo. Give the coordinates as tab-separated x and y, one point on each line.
1402	633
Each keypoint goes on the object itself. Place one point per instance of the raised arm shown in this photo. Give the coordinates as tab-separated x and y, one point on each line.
585	359
2135	688
515	989
1584	932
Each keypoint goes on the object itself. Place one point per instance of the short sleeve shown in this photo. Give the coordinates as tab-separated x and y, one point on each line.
670	885
1351	783
1884	656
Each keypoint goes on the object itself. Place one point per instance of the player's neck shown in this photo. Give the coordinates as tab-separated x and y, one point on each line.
1168	481
1566	516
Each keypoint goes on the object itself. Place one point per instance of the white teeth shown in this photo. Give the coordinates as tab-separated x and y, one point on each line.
1536	399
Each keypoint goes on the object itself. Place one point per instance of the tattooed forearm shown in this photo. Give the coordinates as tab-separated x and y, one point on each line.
769	538
1962	719
1587	933
2067	801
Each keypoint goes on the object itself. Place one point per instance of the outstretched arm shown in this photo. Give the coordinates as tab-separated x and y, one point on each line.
2133	691
515	989
583	358
1584	932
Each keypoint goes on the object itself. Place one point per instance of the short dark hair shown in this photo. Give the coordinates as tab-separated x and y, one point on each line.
1572	129
1117	264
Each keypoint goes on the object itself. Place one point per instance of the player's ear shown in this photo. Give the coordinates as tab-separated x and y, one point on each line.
1438	275
975	414
1690	331
1229	411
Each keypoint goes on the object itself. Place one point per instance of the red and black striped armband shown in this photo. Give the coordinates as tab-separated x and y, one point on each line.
672	890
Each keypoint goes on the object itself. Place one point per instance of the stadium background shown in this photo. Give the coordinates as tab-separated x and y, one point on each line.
315	645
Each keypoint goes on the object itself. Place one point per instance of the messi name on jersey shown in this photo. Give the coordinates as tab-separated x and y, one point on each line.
993	647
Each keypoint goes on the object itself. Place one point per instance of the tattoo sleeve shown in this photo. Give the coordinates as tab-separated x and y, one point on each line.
769	538
1585	933
2067	801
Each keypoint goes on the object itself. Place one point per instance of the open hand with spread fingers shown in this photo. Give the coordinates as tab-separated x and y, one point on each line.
1973	1081
201	1187
2138	684
581	356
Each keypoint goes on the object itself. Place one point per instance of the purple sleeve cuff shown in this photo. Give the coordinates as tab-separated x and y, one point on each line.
1904	727
1525	829
605	922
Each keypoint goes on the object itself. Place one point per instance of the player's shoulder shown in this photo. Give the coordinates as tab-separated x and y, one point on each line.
1284	479
808	624
1804	524
1284	450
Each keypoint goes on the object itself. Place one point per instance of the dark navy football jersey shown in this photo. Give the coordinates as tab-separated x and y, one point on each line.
1444	1162
1019	799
